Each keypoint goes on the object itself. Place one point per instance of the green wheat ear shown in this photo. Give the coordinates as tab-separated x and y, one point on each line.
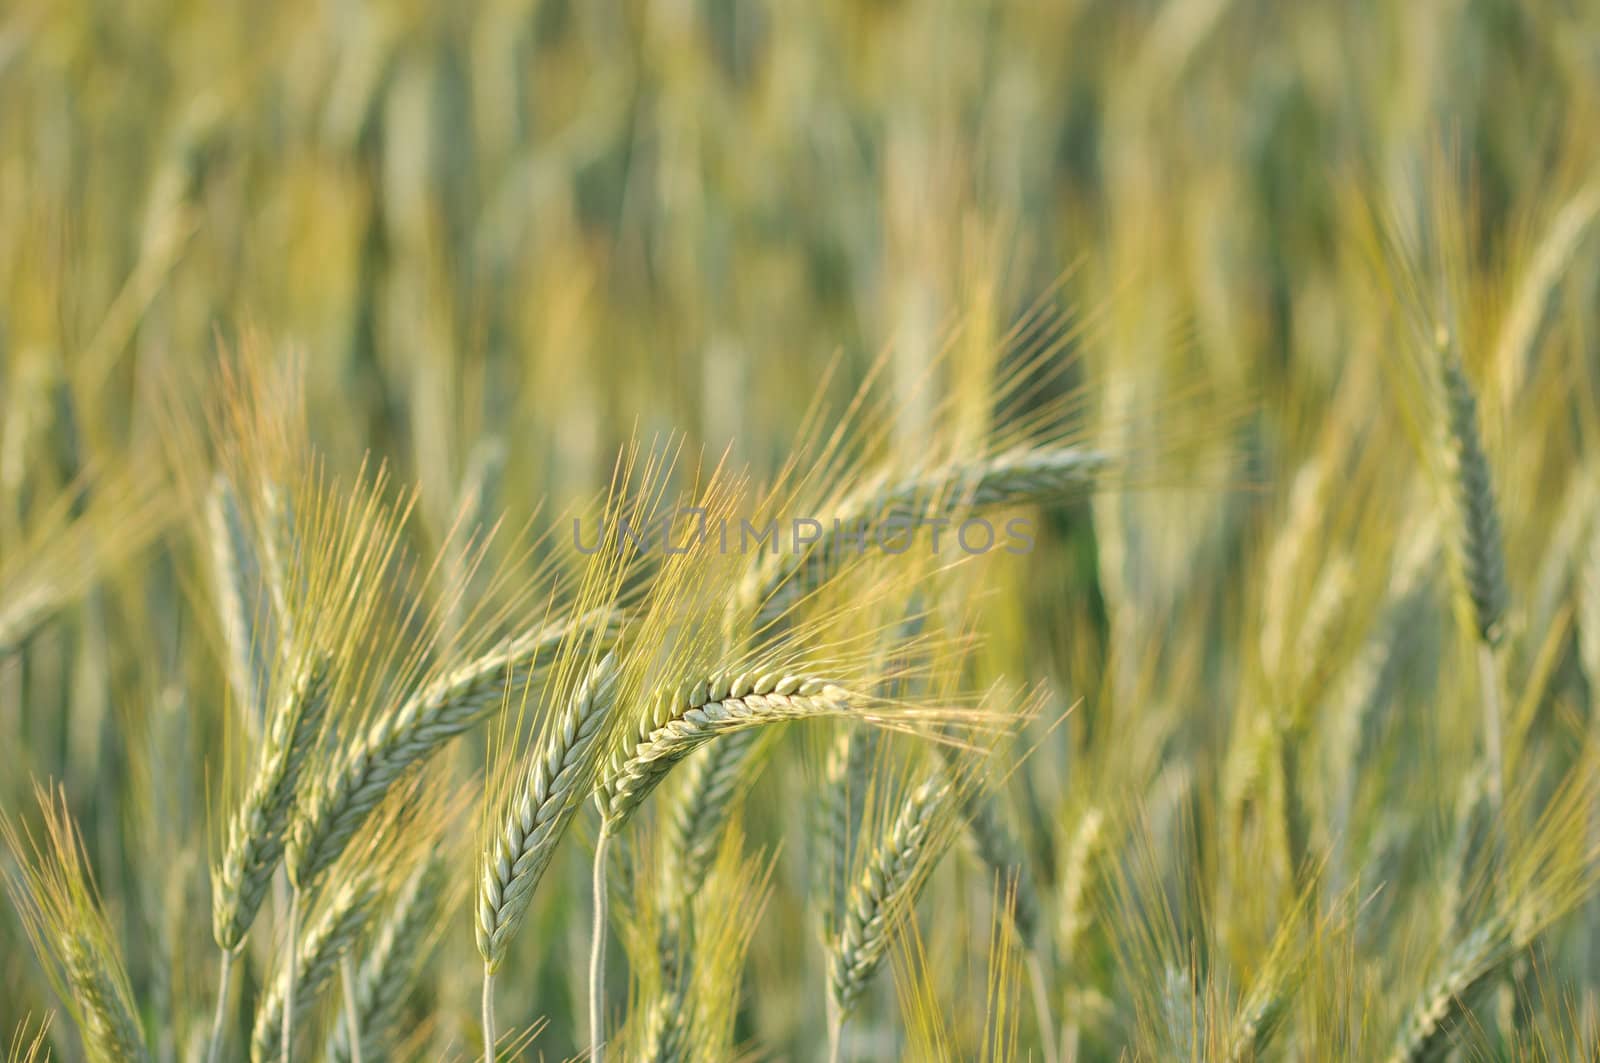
1478	544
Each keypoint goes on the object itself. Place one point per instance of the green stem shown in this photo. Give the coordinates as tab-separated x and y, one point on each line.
489	1038
597	954
291	971
1041	1007
1493	742
214	1048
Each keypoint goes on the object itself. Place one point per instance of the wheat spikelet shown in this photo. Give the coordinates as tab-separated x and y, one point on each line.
343	917
539	812
391	959
686	719
888	882
55	896
256	831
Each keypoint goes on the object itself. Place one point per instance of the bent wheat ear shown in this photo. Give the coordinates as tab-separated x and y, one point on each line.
256	831
686	719
55	896
889	881
541	810
343	918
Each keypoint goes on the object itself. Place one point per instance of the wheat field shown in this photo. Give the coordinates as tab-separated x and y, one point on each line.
854	530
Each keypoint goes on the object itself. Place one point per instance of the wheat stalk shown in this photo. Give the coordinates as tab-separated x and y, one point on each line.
314	962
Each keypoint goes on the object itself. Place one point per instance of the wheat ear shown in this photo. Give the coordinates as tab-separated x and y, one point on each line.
540	811
837	814
55	896
340	799
107	1020
1431	1025
534	823
315	961
686	719
695	822
889	881
997	848
665	1032
249	627
256	832
390	961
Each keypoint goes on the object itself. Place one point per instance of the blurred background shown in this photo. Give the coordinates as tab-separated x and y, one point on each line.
506	236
